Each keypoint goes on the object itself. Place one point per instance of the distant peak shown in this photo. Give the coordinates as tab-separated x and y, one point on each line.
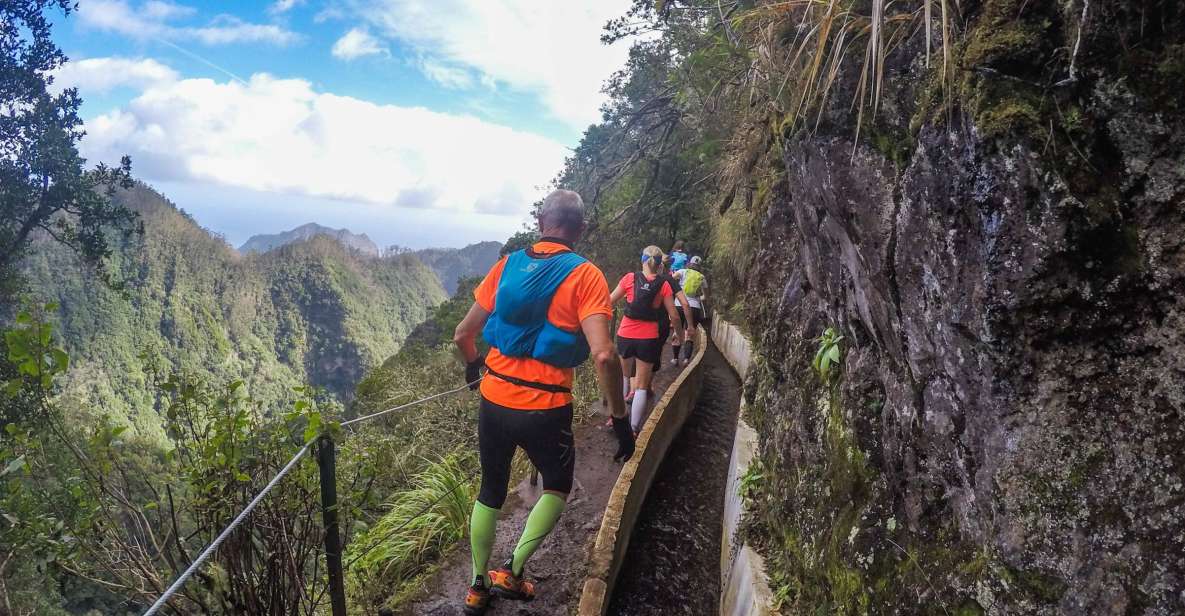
270	241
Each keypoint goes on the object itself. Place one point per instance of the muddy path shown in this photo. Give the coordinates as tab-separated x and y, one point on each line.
560	564
672	565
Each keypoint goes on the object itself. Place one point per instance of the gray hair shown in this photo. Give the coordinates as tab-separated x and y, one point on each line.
562	210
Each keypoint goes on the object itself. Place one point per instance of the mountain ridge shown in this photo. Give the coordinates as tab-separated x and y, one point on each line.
312	312
452	264
264	242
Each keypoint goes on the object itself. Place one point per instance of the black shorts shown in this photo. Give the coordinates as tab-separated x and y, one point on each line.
546	436
697	313
643	349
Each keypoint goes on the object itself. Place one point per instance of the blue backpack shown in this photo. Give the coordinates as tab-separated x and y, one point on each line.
518	327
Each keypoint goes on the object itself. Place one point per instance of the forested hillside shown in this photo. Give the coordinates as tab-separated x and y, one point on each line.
310	312
453	264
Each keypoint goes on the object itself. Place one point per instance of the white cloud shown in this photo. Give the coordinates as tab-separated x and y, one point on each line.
329	13
283	6
447	76
357	43
283	136
99	75
227	29
163	11
152	19
545	46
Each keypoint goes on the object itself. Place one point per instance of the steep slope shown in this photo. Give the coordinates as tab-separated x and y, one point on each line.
310	312
452	264
1007	436
265	242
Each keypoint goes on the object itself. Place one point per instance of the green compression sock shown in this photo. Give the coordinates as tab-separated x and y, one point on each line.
543	517
481	538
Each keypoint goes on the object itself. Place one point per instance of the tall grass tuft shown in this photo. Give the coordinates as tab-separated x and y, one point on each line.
422	522
821	37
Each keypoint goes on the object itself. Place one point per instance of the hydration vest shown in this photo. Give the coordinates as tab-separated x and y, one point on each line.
518	327
642	307
692	281
678	260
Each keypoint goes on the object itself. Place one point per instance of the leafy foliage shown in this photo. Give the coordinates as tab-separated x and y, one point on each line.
829	355
44	187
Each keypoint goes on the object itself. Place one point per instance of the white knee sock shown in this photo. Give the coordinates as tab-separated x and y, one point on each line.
625	386
638	409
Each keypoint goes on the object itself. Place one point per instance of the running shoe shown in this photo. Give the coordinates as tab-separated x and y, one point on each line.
506	585
477	600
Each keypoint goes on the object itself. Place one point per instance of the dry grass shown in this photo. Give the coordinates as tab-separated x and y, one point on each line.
826	35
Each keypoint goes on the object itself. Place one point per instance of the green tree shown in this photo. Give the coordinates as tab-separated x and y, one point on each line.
44	185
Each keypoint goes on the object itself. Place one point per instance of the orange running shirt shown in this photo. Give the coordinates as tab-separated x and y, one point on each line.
634	328
584	293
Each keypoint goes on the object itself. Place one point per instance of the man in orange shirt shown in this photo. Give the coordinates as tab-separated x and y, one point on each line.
543	311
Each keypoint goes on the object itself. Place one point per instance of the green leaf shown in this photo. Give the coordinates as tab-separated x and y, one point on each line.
12	388
14	466
29	367
243	477
61	360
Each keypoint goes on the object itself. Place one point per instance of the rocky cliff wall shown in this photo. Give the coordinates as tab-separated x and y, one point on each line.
1008	435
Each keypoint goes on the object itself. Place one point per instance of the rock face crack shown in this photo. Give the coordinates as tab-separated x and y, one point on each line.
1012	405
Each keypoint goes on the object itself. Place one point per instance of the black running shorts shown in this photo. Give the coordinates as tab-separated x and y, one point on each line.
546	436
643	349
697	314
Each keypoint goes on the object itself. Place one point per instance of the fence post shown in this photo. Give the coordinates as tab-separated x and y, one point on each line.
327	463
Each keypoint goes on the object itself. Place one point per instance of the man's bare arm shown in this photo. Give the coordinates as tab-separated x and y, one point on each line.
604	356
465	336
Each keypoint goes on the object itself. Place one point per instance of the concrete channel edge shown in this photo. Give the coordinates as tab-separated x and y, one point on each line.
637	475
744	584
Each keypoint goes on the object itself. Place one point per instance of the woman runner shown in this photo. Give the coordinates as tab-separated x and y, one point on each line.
648	299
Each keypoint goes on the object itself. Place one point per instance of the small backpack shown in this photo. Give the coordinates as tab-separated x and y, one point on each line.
642	307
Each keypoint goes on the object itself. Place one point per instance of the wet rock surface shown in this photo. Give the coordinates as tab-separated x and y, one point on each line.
672	565
1009	433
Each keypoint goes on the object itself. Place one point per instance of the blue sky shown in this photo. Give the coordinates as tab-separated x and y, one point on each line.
419	122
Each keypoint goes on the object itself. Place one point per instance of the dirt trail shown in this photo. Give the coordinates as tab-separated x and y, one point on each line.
559	566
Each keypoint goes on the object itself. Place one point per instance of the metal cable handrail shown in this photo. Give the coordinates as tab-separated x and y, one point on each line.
210	549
